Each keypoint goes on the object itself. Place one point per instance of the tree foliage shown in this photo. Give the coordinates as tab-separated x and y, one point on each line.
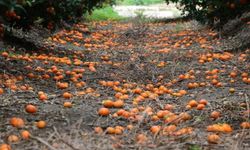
49	13
213	11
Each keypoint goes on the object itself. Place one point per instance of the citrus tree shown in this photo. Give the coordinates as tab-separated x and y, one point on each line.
49	13
213	11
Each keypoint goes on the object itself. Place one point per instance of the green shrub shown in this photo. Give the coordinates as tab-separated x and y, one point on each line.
211	11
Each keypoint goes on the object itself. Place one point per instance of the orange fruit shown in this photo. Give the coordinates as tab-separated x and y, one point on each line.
160	114
108	103
188	107
182	77
137	91
200	107
67	95
1	91
155	129
118	95
233	74
130	127
17	122
203	101
169	129
31	109
63	85
155	118
120	112
40	93
168	107
118	131
67	104
202	84
185	116
5	54
231	90
245	125
214	81
5	147
141	138
193	103
41	124
215	114
118	104
213	138
98	130
183	92
126	114
227	128
43	97
110	83
13	139
244	75
25	134
103	111
110	130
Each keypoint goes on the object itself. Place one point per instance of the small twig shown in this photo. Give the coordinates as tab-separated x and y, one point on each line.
243	131
248	107
68	144
43	142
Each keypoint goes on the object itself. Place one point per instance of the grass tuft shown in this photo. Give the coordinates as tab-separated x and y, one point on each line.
105	13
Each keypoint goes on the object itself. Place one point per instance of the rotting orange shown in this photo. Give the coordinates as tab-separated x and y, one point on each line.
231	90
13	138
213	138
98	130
185	116
141	138
215	115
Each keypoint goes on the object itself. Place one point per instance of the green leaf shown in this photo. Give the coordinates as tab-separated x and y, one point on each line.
20	7
4	3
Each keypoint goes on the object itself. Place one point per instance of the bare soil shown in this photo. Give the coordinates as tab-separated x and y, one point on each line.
133	58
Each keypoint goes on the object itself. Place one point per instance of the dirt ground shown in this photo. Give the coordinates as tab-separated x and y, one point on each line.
153	57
